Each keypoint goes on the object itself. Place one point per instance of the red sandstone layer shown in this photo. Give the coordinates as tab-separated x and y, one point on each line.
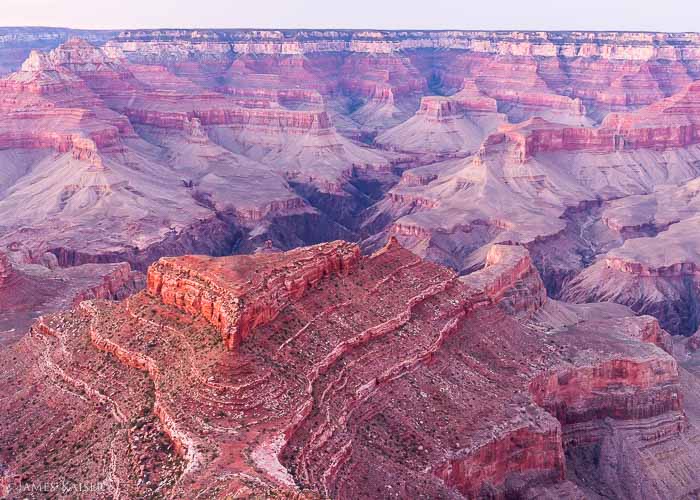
259	294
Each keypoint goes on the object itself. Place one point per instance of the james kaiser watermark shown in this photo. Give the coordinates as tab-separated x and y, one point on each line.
13	486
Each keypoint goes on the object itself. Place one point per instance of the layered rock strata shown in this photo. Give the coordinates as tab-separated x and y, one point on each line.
478	398
29	290
265	287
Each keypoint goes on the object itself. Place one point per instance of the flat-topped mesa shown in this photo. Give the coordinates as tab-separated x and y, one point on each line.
439	108
538	99
465	101
537	135
239	293
585	393
670	123
221	112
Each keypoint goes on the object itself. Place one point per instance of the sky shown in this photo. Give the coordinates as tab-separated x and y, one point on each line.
628	15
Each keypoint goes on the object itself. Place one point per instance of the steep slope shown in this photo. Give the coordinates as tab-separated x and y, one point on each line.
169	189
449	210
582	147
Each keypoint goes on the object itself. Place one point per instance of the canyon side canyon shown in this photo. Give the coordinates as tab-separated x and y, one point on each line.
350	264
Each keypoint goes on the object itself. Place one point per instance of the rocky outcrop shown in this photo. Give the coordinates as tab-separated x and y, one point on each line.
256	296
669	123
446	125
652	275
120	282
664	125
5	269
532	454
506	265
583	394
286	121
264	140
336	112
28	290
45	105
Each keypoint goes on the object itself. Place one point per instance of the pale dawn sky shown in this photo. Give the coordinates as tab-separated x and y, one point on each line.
646	15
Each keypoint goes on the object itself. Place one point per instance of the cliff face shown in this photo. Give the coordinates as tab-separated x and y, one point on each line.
315	401
256	296
655	270
667	124
612	45
671	293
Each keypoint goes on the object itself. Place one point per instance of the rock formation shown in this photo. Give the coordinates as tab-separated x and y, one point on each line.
29	290
655	270
262	288
490	389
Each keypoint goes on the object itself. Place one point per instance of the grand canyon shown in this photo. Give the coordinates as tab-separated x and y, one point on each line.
349	264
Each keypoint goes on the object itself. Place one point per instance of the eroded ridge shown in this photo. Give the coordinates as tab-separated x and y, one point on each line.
352	377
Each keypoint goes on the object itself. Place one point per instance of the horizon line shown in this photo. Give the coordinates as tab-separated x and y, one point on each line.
414	30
